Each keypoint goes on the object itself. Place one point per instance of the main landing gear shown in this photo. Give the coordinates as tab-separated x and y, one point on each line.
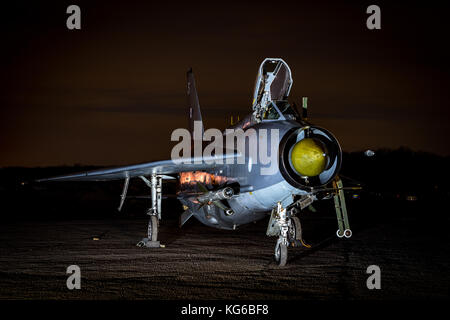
155	184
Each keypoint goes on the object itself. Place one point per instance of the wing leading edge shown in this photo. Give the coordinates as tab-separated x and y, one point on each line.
165	168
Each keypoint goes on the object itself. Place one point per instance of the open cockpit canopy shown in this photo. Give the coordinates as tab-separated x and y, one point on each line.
273	85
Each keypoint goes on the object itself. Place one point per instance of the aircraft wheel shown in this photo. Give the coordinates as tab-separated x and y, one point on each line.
152	231
281	253
295	232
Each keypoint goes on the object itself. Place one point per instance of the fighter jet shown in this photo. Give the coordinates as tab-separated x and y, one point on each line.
223	194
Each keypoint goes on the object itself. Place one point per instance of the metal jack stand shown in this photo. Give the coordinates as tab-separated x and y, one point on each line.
154	212
341	210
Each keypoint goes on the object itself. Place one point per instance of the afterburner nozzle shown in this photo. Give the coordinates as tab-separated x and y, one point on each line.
308	157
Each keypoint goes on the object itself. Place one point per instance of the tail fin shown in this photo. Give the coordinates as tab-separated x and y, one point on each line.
194	112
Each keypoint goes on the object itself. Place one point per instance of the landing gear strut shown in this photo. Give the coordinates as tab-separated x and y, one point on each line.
154	212
283	242
279	226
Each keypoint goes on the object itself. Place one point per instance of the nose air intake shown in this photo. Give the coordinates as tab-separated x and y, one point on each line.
309	157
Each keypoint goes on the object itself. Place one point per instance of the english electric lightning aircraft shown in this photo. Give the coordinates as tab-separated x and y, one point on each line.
227	195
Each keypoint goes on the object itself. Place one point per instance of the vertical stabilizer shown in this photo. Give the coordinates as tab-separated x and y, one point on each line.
194	112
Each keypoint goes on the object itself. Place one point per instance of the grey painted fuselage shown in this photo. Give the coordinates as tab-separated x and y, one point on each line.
257	193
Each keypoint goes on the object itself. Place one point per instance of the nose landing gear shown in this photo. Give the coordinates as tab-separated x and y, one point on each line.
284	223
289	231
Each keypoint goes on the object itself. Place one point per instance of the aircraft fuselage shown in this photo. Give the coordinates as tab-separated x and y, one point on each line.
255	194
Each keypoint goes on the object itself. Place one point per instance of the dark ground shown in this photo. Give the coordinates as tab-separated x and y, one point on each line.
203	263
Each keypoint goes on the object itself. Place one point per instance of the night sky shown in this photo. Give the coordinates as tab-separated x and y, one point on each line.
112	92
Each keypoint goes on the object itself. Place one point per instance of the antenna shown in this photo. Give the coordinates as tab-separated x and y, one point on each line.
305	108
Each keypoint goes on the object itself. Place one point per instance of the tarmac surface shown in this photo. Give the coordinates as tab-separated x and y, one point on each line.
204	263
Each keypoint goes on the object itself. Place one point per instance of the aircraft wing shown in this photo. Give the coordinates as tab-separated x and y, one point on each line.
165	168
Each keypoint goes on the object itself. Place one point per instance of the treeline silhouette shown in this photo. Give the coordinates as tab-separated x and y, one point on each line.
394	178
400	172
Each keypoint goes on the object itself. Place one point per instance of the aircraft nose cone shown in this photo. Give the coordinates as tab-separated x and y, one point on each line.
308	157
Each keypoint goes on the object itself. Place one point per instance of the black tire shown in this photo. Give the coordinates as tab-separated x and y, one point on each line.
296	232
152	230
281	254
